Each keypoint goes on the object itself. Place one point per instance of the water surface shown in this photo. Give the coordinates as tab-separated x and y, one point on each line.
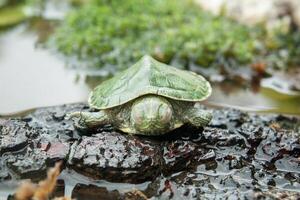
33	77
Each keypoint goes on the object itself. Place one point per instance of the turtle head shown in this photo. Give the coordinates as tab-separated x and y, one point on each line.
151	115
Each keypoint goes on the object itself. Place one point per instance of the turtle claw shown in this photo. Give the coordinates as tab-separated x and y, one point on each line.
78	119
80	127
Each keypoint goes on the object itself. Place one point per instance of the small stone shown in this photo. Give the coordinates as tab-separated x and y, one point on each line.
13	135
92	192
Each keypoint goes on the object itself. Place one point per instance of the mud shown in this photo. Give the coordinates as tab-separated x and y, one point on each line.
239	155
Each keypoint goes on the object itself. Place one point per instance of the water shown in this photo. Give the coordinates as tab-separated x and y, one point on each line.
72	178
264	100
32	76
7	188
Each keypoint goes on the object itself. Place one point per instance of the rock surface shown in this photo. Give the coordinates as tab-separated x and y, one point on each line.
239	155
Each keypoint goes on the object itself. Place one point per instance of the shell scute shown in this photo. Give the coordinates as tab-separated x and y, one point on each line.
149	76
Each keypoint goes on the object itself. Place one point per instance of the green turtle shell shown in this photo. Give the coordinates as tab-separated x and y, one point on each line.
149	76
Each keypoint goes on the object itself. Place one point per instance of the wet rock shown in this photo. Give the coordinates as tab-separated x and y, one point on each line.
266	158
29	145
13	135
55	149
32	161
275	194
208	156
29	163
226	119
92	192
116	157
179	155
238	155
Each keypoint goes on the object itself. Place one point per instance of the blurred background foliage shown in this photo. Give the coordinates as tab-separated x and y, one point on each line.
114	34
170	31
11	13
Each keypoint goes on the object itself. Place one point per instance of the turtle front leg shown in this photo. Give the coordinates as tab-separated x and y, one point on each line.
89	120
197	117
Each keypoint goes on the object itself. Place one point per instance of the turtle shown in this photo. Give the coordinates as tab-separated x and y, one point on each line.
148	98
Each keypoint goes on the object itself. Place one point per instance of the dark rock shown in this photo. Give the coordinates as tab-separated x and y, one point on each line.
92	192
226	119
210	155
116	157
276	194
238	156
13	135
59	115
31	163
179	155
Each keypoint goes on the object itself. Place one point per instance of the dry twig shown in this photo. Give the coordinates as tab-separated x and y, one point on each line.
43	189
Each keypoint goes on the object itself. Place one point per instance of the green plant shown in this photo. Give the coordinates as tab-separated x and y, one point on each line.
114	34
11	15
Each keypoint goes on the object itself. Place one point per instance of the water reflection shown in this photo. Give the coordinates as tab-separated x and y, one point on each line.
31	77
264	100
